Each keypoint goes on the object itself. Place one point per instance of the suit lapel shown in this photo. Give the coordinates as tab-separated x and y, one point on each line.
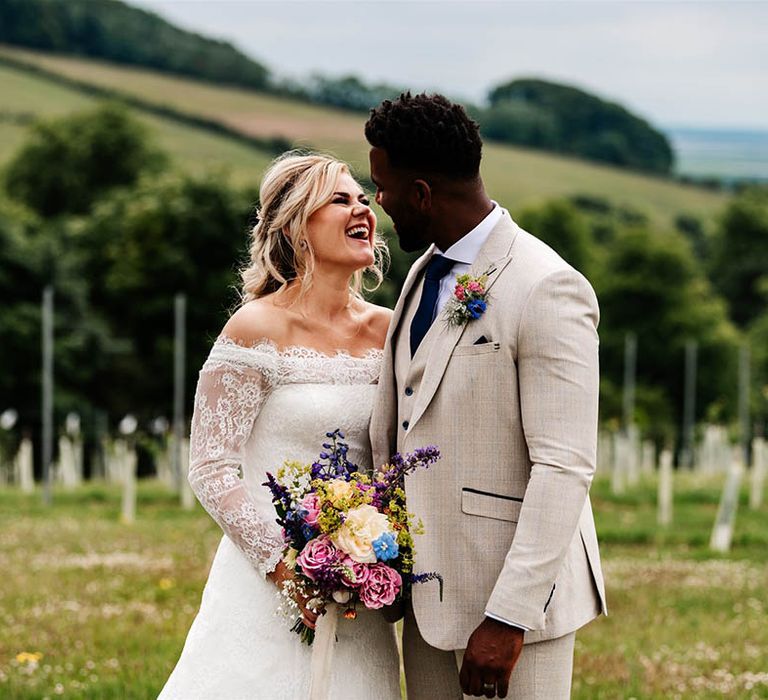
441	338
385	410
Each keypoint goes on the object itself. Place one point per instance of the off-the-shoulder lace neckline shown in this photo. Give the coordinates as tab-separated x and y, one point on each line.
299	350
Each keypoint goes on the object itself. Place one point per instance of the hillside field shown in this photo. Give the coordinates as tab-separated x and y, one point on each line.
515	177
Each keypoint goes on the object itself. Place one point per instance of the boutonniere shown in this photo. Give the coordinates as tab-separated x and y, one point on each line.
469	300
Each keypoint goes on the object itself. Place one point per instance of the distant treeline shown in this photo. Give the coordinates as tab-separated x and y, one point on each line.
530	112
114	31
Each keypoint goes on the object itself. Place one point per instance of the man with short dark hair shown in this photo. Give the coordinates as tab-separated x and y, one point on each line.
492	355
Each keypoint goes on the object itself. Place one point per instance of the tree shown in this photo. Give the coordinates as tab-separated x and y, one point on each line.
652	286
573	121
740	260
561	226
34	254
68	163
138	249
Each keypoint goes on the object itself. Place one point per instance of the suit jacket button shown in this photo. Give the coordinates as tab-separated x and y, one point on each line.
408	391
405	425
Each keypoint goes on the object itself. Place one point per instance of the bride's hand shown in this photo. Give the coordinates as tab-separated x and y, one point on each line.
282	575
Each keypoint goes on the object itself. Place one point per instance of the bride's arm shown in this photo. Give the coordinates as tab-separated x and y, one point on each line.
229	396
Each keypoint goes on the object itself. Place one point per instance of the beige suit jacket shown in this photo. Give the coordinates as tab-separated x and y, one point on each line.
507	518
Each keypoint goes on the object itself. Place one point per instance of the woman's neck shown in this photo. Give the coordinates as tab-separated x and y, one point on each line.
327	298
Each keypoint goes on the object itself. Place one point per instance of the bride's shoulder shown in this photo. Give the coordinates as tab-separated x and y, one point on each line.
378	318
255	322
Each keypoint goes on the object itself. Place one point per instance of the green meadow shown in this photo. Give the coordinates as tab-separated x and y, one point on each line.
94	609
516	177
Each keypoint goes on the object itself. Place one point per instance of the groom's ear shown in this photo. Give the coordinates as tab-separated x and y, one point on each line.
422	195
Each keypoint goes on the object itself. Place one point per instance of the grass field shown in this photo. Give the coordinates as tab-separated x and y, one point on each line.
107	606
516	177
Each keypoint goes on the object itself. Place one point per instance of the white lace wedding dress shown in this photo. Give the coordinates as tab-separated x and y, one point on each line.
256	407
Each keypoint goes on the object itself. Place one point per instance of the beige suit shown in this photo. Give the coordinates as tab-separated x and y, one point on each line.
507	518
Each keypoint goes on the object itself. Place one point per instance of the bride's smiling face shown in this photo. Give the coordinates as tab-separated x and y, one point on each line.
341	232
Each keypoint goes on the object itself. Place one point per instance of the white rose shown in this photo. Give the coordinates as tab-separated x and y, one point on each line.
363	525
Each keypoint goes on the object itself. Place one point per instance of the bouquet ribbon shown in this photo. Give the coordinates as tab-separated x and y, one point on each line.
322	653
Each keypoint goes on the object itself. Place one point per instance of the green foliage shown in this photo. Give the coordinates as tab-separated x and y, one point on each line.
560	225
740	260
651	286
138	249
117	32
68	163
31	256
567	120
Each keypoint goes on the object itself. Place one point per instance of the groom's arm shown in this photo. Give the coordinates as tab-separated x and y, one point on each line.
559	385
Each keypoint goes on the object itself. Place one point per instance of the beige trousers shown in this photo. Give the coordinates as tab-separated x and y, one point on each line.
543	671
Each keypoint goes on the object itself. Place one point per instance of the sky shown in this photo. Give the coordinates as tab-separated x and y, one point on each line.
685	63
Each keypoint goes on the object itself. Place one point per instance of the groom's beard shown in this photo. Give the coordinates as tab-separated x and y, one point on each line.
412	235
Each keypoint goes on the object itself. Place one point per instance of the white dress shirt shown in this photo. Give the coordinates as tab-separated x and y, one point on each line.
465	252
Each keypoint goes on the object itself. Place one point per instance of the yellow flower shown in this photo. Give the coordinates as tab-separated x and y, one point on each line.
338	490
26	657
165	584
290	558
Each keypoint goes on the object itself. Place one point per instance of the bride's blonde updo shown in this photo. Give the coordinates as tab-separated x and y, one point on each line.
294	187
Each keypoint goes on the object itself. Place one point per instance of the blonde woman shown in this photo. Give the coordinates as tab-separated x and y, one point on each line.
299	358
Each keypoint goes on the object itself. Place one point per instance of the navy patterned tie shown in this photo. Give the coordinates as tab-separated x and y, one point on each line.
437	268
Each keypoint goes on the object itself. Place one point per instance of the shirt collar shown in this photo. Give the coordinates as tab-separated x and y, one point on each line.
467	248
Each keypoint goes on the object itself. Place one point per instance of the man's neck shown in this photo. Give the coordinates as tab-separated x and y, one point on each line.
461	209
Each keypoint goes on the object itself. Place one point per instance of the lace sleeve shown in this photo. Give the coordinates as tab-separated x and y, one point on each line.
228	398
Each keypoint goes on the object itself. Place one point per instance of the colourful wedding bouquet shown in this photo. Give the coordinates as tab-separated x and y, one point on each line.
348	535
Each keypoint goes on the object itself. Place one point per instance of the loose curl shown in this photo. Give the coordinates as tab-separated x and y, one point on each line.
294	187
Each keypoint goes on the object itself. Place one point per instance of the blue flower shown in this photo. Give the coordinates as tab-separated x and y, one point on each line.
476	308
385	547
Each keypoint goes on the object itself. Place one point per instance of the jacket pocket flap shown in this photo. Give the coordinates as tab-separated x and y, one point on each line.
490	505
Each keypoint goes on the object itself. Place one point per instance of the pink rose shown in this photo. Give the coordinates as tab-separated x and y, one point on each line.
317	554
459	292
359	570
475	287
381	587
311	504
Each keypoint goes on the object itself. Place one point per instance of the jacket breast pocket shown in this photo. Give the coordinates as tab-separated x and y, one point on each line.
473	350
490	505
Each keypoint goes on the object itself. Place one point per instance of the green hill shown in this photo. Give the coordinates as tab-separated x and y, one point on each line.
516	177
118	32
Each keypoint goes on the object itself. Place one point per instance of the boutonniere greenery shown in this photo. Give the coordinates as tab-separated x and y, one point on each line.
469	300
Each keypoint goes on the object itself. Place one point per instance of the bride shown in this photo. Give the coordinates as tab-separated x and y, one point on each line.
299	358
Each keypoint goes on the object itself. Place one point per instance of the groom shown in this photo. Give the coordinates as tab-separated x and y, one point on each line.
509	397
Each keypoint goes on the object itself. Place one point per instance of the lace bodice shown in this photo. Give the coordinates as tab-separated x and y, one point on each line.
257	406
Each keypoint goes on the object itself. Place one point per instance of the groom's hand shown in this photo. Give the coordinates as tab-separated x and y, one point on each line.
492	652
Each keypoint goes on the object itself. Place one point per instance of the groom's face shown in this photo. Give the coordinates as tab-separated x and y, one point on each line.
396	194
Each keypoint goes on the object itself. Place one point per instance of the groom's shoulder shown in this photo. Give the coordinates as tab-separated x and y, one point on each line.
534	260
